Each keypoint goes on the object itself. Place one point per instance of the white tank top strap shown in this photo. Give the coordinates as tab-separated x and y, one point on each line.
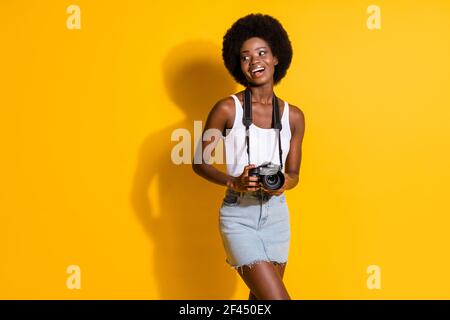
238	112
285	118
285	111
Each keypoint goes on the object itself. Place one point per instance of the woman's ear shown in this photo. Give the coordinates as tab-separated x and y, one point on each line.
275	59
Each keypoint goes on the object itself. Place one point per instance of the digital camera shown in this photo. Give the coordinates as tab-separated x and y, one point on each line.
270	175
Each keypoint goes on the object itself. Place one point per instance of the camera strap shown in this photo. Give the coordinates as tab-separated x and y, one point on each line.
247	120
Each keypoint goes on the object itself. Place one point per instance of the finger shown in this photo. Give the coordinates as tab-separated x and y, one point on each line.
252	189
253	178
251	184
248	167
252	181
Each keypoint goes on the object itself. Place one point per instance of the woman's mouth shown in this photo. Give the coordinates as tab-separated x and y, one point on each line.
257	72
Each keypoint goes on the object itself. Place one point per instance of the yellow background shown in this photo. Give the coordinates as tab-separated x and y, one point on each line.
86	178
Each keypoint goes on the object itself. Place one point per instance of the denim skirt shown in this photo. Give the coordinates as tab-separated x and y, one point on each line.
254	227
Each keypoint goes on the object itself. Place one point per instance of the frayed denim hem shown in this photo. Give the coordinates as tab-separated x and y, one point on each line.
251	264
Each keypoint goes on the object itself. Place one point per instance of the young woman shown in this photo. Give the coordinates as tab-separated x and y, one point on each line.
253	220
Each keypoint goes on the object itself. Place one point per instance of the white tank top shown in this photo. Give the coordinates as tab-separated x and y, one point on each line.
263	142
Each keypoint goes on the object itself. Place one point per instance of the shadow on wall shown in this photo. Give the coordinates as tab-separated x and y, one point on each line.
188	256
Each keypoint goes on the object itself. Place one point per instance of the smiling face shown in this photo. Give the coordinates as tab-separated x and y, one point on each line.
257	62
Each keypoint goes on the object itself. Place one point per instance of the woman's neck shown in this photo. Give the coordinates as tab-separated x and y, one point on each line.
262	94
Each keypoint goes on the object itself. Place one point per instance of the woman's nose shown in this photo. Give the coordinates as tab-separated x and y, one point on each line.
255	61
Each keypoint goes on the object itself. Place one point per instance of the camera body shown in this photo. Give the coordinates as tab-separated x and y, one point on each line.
270	175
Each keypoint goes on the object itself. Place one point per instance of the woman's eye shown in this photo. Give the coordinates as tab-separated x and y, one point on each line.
244	58
262	52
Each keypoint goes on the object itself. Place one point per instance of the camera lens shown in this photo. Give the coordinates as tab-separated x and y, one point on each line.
273	181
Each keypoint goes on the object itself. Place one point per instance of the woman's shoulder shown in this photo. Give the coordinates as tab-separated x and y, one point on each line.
223	112
295	111
296	118
224	105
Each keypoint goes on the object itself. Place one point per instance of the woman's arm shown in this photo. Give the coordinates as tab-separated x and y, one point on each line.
217	119
294	157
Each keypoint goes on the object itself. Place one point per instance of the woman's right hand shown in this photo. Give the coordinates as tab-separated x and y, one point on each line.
244	182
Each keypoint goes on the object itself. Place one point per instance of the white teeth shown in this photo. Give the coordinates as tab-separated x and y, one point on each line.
258	69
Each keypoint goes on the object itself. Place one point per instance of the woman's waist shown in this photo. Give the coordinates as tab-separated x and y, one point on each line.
259	194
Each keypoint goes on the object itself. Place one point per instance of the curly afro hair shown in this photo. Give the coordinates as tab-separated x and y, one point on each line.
262	26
